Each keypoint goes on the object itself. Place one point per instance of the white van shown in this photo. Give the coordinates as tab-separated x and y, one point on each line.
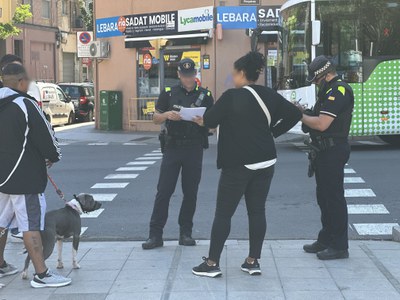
56	106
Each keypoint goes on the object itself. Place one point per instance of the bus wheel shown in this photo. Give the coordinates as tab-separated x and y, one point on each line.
391	139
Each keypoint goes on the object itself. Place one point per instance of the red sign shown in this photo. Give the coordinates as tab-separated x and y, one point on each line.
86	61
121	24
85	38
147	61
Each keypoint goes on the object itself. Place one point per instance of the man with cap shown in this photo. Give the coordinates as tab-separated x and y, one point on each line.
183	154
329	124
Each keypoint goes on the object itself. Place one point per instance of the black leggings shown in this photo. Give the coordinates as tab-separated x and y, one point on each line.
233	184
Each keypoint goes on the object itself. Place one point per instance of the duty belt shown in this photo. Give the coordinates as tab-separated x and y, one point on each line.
324	143
173	141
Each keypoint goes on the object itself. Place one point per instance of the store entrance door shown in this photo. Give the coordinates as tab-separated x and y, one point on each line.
170	61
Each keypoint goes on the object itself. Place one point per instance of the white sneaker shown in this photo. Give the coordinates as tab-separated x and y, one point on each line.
50	280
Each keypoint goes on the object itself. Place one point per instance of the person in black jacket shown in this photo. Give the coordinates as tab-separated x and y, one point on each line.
246	155
27	145
6	60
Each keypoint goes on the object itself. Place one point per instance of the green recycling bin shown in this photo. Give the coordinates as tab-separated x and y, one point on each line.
110	110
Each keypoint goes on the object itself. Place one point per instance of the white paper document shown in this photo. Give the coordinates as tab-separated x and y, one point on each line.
188	114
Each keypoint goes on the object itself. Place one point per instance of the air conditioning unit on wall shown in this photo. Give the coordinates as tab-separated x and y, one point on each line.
100	49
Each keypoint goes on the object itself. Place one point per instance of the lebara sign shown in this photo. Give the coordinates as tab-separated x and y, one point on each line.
237	17
195	19
107	27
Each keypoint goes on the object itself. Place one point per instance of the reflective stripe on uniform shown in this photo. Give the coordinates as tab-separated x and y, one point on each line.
342	89
167	89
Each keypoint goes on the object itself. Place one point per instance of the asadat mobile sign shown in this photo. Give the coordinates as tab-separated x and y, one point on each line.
237	17
196	19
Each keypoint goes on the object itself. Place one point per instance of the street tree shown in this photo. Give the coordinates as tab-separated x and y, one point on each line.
22	12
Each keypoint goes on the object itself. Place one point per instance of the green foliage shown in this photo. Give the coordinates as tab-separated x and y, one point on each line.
87	14
22	12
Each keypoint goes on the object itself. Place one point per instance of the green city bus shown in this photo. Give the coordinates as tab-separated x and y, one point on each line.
362	37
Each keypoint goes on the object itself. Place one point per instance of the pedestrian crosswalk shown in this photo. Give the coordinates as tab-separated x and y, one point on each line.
122	173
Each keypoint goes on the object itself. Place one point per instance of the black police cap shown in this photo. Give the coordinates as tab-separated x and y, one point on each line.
320	66
187	67
13	69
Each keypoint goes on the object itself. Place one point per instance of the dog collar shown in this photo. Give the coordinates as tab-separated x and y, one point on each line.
75	205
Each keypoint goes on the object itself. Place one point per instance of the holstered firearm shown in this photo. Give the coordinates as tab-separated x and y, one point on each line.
312	157
162	137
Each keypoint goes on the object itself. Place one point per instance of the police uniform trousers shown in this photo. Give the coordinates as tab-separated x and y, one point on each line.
329	175
188	161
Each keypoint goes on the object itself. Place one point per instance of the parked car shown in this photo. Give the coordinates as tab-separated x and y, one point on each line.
57	107
82	96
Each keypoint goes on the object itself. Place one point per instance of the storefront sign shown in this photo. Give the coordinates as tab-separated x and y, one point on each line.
196	19
250	2
237	17
107	27
154	24
268	16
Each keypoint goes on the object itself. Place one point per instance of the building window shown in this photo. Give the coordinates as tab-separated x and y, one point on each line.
18	48
46	9
65	7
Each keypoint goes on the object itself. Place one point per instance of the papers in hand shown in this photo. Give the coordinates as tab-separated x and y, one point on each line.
188	114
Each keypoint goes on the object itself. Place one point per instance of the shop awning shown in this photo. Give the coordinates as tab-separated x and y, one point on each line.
178	39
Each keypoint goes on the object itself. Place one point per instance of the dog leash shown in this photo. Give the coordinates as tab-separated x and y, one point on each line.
58	191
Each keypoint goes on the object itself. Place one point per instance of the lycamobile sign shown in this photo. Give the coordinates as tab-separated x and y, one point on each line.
195	19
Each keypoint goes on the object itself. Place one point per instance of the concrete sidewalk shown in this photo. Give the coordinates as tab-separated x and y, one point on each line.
122	270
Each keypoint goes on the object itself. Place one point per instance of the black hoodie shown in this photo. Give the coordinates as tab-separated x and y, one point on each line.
26	141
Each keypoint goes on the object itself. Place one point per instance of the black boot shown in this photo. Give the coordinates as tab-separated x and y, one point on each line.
330	253
314	247
152	242
186	240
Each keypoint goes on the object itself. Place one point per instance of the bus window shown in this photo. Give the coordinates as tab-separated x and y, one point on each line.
296	38
381	25
342	37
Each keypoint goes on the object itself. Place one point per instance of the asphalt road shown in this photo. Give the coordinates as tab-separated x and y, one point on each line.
292	213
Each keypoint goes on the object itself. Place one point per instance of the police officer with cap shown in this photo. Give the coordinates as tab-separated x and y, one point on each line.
329	124
183	144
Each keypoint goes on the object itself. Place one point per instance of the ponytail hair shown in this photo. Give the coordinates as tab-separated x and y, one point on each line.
252	64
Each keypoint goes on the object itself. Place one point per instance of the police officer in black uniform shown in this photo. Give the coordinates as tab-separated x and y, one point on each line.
183	144
329	125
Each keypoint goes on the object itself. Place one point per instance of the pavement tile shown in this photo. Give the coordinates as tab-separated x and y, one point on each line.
370	295
134	296
98	286
200	284
115	264
78	296
142	273
364	284
90	275
298	262
313	295
254	283
265	295
351	272
137	286
293	272
195	295
308	284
